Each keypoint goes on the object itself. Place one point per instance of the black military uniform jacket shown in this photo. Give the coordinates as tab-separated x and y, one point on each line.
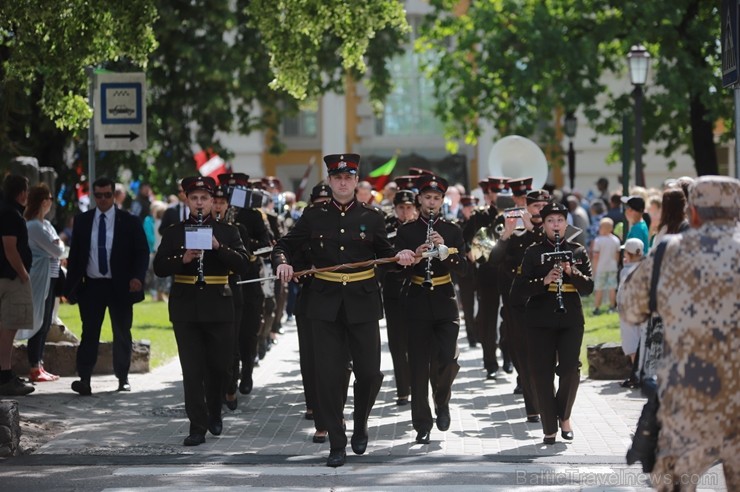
438	303
508	255
214	302
487	272
391	279
541	301
339	234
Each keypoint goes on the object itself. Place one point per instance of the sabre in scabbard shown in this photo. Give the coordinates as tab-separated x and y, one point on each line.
441	252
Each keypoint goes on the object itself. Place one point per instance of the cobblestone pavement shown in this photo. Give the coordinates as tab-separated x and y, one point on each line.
487	419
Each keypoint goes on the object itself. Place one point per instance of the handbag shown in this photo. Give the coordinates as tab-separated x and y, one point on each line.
59	285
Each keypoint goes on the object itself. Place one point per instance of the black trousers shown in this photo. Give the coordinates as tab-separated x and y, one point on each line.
249	331
398	344
307	359
555	351
37	342
466	285
95	297
487	324
205	351
331	341
233	377
432	354
518	349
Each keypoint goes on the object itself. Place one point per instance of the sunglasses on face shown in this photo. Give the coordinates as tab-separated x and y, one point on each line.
103	194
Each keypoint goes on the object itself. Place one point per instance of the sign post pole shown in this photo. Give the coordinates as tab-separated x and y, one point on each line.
91	128
730	43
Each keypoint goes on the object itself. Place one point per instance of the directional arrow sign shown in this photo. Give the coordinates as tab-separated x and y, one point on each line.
130	135
120	111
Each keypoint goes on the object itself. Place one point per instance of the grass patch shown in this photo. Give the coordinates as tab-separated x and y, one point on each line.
598	329
151	322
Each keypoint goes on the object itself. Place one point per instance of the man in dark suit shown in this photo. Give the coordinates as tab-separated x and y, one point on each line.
175	213
345	306
107	264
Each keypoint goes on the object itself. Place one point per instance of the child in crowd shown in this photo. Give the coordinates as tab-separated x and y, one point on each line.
604	258
633	254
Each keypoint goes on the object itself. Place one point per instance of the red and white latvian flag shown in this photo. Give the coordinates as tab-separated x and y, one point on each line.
210	164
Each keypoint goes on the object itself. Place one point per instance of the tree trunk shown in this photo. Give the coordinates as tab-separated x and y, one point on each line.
702	139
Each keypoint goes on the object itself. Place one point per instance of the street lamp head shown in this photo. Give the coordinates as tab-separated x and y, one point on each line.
571	124
639	61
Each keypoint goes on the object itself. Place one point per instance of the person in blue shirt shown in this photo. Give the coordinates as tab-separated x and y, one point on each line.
633	210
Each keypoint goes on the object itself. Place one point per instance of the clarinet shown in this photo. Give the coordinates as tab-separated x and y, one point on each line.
559	283
201	281
427	283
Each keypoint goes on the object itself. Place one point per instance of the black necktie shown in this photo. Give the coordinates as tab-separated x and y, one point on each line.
102	253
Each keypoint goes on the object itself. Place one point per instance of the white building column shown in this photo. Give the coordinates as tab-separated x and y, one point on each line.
485	142
333	125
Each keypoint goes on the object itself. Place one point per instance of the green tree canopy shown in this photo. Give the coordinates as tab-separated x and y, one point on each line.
513	62
213	67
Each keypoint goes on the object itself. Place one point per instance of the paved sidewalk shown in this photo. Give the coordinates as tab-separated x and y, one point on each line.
487	419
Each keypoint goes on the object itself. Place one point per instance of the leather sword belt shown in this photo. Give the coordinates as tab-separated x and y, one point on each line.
209	279
444	279
553	287
345	277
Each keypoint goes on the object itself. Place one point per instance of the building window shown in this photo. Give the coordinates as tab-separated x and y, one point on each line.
409	109
302	125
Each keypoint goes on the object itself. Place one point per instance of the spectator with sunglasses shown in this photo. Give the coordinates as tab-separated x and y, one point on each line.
107	265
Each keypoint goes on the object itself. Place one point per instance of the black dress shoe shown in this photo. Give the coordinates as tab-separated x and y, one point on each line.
337	457
533	418
194	440
318	438
567	435
246	385
359	442
443	418
518	389
422	437
508	368
402	401
123	385
491	375
82	387
216	426
231	404
548	440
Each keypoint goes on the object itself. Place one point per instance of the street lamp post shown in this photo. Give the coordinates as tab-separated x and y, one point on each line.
571	124
639	62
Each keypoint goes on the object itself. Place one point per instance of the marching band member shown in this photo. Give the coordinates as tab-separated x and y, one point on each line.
508	254
253	296
319	194
201	307
466	284
486	321
554	317
222	213
404	209
345	306
431	308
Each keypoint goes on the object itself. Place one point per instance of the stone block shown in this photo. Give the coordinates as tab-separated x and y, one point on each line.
60	358
10	428
608	361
